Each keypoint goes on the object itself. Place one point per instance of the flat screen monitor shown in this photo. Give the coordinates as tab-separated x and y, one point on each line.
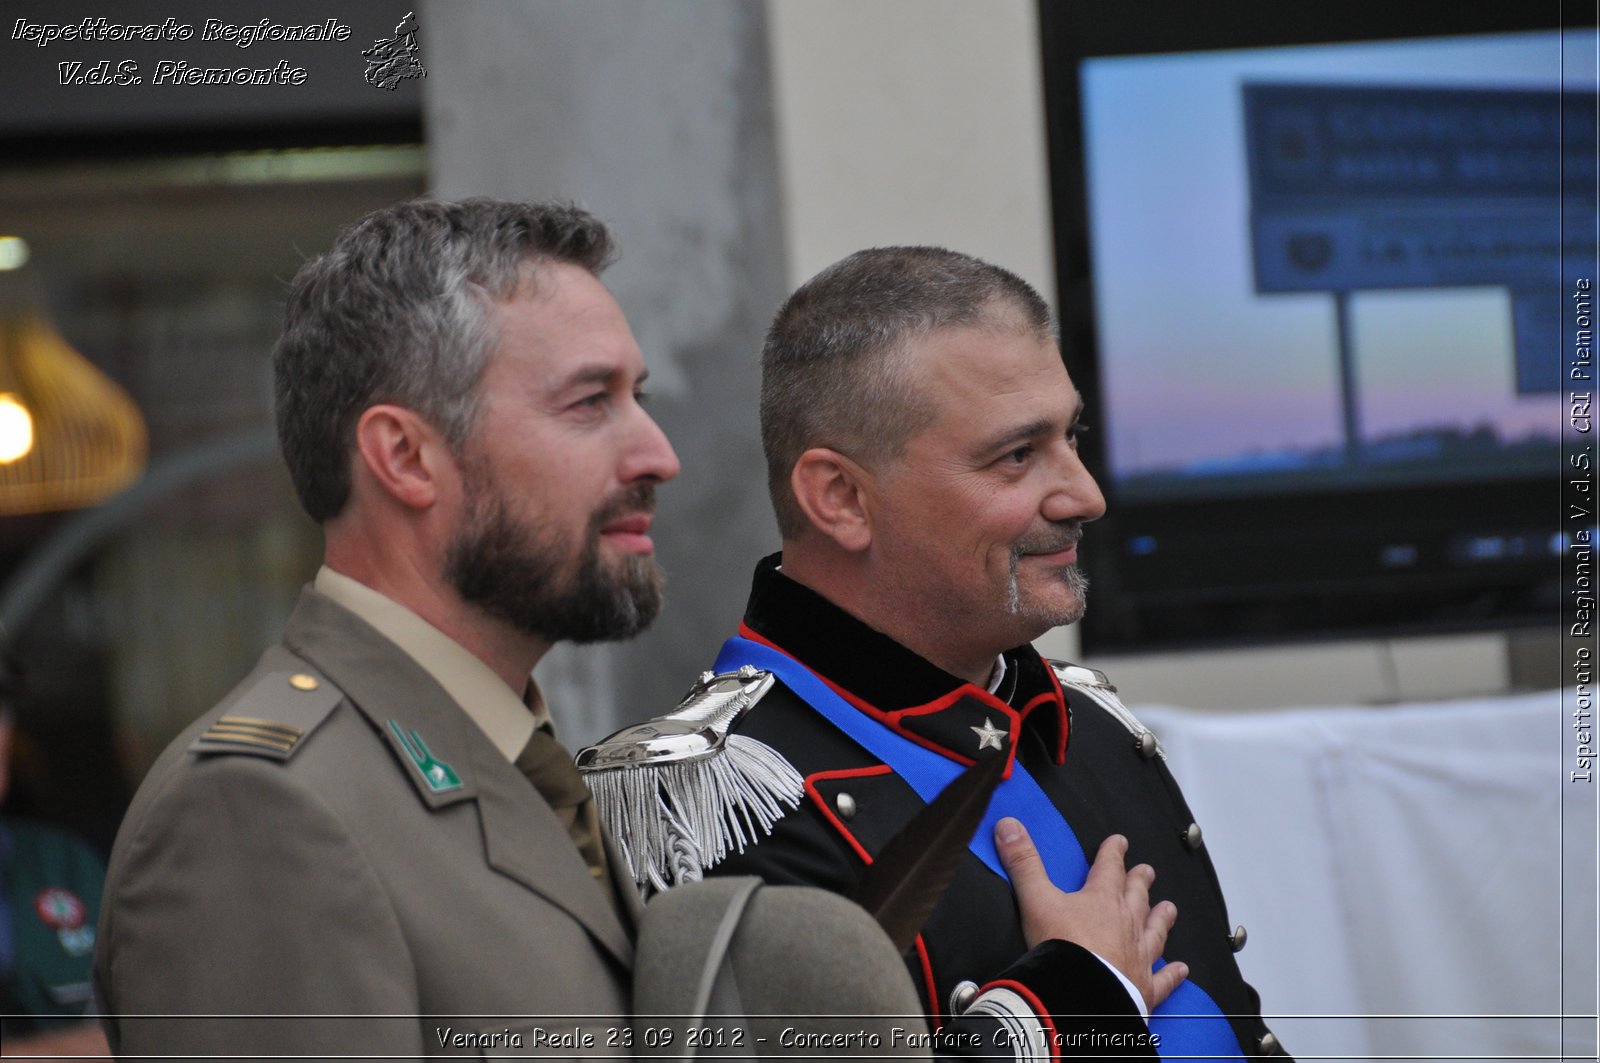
1318	291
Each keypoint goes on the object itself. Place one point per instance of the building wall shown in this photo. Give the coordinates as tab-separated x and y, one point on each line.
740	147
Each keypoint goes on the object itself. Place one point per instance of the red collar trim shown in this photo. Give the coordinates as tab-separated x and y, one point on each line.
895	720
1057	698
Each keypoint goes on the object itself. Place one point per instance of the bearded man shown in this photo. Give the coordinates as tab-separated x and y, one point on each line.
374	846
920	431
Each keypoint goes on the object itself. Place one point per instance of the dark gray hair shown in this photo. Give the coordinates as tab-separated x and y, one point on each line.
836	369
398	310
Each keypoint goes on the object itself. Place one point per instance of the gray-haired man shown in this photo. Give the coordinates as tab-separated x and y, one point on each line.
921	430
350	840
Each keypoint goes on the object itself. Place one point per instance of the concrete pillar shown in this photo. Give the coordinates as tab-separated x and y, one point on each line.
656	116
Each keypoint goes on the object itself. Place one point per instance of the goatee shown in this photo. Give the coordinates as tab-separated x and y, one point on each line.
1057	538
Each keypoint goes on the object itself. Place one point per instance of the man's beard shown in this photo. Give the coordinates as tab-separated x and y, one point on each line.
1059	538
519	573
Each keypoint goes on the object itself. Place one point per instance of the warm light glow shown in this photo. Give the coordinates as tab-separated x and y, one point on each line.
16	429
13	252
69	435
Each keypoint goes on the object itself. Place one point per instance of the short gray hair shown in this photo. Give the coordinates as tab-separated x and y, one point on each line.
398	311
835	370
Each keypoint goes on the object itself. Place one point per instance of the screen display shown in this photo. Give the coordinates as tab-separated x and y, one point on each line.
1331	267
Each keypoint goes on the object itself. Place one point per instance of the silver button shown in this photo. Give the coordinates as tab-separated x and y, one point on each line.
707	676
1238	937
1191	837
962	996
747	671
1269	1044
846	806
1146	744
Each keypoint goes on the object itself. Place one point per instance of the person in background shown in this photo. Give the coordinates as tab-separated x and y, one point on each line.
50	885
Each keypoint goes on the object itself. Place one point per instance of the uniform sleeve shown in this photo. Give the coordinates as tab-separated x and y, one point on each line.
243	918
1059	1001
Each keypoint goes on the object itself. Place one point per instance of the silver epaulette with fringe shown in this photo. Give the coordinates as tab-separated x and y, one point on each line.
1093	685
679	792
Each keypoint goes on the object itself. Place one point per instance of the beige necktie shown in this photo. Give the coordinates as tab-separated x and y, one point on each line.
548	765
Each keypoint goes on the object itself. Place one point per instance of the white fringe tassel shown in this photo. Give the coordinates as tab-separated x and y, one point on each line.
673	821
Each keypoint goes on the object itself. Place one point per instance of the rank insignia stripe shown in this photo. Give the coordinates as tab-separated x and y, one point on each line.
226	738
250	733
226	728
289	730
271	717
230	744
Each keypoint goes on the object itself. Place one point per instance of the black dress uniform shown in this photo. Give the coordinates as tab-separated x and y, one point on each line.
1100	769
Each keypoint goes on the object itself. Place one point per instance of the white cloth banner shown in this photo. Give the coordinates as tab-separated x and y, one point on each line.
1423	877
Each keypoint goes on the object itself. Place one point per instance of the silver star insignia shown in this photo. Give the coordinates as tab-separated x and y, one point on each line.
989	736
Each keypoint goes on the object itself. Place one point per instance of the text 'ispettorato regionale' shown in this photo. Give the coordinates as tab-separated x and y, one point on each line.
111	71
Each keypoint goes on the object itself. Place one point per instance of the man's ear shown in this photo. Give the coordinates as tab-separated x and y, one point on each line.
832	491
405	456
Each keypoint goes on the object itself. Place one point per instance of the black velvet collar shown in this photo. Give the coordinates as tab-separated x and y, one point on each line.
882	677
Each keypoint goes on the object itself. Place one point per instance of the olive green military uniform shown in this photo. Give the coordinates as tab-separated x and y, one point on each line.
337	849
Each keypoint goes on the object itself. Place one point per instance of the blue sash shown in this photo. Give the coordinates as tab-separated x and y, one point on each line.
1188	1022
